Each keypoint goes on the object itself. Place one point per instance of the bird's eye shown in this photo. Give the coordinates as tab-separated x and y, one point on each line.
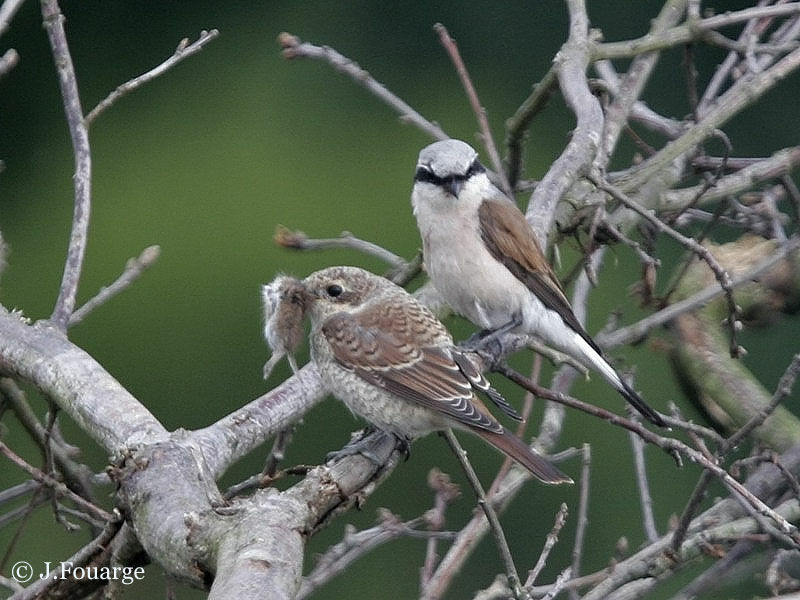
334	290
475	167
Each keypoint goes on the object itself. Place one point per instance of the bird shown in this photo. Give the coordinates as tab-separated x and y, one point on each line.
393	363
284	310
483	258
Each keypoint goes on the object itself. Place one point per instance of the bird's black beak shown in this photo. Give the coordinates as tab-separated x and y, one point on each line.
454	185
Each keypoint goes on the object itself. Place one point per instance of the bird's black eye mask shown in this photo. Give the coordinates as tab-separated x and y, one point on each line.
424	173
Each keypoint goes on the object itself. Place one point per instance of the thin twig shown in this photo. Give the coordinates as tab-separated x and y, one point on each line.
445	492
559	584
183	51
277	453
8	61
549	544
644	257
133	270
76	473
517	125
671	445
82	180
491	515
645	498
723	70
636	331
583	514
721	274
783	390
297	240
58	487
294	47
88	554
480	112
688	32
356	544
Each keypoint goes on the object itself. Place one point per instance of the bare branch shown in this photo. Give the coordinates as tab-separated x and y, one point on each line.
8	61
777	165
293	47
638	330
355	544
781	392
645	498
577	158
92	398
744	92
297	240
670	445
57	487
583	513
549	544
518	124
491	516
691	31
702	252
480	112
183	51
8	9
134	268
630	87
254	422
82	180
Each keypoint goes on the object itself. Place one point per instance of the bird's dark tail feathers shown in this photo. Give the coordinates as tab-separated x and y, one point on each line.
635	400
514	447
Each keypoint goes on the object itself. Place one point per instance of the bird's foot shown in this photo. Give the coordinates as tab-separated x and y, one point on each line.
487	345
367	443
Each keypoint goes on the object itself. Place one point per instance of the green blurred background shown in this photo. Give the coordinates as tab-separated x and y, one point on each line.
208	159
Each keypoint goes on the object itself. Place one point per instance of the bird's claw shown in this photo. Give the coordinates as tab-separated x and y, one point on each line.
367	443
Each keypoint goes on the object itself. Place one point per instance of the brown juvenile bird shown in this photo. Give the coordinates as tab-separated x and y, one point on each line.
284	309
483	258
393	363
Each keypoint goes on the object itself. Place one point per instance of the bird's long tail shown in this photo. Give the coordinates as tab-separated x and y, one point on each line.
635	400
593	358
510	444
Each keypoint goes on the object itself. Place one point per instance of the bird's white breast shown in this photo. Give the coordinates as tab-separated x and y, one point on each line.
463	270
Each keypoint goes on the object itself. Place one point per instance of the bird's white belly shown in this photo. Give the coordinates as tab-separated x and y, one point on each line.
474	284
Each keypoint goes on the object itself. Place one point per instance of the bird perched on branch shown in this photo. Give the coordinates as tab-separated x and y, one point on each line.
483	258
393	363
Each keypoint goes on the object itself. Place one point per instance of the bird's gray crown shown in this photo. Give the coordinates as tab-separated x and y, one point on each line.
447	158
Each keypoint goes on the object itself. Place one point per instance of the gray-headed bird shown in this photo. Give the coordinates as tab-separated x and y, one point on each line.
482	256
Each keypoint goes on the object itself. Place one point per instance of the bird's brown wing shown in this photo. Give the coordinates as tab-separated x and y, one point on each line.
510	239
386	352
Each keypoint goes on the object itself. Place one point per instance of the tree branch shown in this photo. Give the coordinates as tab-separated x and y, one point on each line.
183	51
293	47
576	159
79	135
